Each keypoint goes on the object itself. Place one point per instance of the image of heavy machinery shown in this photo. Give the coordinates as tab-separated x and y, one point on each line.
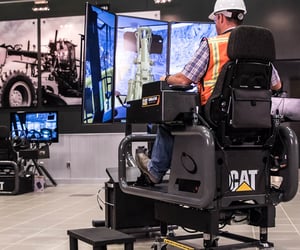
143	62
60	80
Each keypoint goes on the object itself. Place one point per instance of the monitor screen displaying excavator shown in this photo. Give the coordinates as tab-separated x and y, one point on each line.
141	57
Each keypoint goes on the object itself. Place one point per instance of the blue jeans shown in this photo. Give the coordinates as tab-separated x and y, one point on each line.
161	155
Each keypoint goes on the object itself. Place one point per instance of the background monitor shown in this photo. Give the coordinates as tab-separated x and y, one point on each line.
35	126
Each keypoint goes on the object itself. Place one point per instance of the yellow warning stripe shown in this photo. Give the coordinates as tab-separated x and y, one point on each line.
216	55
219	39
178	245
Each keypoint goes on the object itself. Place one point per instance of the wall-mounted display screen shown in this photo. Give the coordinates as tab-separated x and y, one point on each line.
124	52
35	126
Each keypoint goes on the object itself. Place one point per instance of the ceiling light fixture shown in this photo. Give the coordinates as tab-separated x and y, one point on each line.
16	1
40	5
162	1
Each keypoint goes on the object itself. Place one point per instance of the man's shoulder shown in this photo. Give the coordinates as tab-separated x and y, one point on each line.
222	37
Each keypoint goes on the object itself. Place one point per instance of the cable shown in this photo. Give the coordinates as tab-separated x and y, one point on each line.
189	230
99	199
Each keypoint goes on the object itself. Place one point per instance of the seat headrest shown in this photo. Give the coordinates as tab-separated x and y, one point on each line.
4	132
251	42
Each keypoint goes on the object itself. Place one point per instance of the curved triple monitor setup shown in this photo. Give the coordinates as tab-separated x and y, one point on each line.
124	52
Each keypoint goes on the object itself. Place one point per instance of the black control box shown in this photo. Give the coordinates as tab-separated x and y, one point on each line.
162	103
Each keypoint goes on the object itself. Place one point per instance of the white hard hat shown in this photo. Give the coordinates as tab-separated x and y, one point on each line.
222	5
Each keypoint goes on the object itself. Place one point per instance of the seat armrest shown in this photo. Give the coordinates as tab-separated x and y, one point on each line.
179	87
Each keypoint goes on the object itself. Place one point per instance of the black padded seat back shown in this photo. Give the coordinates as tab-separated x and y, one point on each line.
251	42
241	100
7	152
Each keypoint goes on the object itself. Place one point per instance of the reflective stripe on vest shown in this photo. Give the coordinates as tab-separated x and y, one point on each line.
217	58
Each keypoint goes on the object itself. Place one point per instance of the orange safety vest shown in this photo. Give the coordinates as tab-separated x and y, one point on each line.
217	58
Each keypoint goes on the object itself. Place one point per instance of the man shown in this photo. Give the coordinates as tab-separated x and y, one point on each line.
203	69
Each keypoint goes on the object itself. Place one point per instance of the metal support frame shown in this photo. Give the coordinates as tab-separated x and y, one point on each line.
206	226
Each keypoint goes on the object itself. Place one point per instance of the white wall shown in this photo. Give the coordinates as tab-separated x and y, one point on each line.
88	154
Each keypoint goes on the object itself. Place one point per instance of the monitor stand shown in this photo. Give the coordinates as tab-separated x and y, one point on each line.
35	153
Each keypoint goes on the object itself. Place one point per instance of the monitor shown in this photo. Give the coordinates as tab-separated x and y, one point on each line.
185	38
141	57
99	65
121	53
35	127
124	52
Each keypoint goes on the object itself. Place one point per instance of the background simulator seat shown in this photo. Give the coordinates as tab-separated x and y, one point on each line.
12	176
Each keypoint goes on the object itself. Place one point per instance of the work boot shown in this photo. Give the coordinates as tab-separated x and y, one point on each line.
142	161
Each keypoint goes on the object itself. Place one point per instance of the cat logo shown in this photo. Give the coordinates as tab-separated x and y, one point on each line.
243	181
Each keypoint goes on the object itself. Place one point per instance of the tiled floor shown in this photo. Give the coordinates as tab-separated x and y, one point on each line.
39	221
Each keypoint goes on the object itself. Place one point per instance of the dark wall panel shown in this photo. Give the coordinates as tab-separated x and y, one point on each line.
282	18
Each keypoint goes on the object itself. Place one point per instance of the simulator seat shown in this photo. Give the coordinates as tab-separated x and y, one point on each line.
239	111
12	177
235	162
